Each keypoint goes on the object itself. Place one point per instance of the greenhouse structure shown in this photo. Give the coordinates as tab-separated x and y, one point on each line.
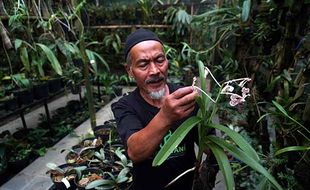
154	94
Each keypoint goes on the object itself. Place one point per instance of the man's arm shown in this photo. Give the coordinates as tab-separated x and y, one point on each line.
176	106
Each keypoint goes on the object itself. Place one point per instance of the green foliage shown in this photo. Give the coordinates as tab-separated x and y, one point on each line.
21	81
114	41
237	146
246	8
179	19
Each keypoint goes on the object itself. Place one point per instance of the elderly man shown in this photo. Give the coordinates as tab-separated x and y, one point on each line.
148	116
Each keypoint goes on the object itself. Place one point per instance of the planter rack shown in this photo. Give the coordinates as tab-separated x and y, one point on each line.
28	108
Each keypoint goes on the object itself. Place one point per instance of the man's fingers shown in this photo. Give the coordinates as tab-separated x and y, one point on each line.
181	92
188	106
187	99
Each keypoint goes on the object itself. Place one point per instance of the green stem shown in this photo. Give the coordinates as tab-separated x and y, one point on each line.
89	93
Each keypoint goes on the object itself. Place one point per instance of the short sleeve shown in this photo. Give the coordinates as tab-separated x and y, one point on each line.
126	119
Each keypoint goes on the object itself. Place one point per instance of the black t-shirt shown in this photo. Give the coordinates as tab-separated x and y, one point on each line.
132	113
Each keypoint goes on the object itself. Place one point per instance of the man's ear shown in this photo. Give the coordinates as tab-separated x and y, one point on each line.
129	71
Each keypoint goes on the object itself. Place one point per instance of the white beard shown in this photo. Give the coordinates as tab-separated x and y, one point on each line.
158	94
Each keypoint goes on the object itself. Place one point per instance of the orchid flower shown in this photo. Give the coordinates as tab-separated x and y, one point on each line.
227	88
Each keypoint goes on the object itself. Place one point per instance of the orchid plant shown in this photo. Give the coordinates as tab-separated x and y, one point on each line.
237	146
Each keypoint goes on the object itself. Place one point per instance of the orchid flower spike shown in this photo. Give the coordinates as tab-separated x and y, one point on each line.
227	89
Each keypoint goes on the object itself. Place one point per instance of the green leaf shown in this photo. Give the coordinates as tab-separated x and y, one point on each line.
121	156
280	108
17	43
25	58
292	148
203	85
53	166
175	140
244	157
238	139
262	117
224	165
99	182
52	58
122	176
91	56
246	8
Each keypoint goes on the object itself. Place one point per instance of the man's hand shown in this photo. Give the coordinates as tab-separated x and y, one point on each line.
178	105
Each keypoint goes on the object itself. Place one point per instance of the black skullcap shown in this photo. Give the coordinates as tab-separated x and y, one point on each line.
138	36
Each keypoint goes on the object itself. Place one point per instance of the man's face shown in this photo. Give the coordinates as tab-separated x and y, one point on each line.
149	66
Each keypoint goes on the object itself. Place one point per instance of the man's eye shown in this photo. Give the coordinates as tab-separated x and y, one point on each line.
142	65
160	59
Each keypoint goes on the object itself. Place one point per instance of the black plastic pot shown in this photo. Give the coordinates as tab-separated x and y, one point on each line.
103	132
18	165
74	106
40	90
54	85
61	185
21	134
75	89
24	96
11	104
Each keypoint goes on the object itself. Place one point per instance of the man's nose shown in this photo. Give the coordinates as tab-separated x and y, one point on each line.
153	68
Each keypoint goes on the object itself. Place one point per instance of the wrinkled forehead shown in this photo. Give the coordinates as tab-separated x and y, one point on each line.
146	49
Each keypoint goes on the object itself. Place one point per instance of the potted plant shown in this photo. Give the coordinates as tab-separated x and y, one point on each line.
23	90
63	176
120	181
87	176
7	101
20	157
80	155
102	159
107	131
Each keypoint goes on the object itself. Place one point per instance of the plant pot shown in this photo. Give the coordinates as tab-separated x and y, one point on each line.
103	132
54	85
75	89
24	96
40	90
80	156
68	182
97	174
21	134
74	106
18	165
105	98
11	104
96	143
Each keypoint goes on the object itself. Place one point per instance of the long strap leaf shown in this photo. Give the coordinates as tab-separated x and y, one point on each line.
238	139
175	140
244	157
52	58
292	148
224	165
